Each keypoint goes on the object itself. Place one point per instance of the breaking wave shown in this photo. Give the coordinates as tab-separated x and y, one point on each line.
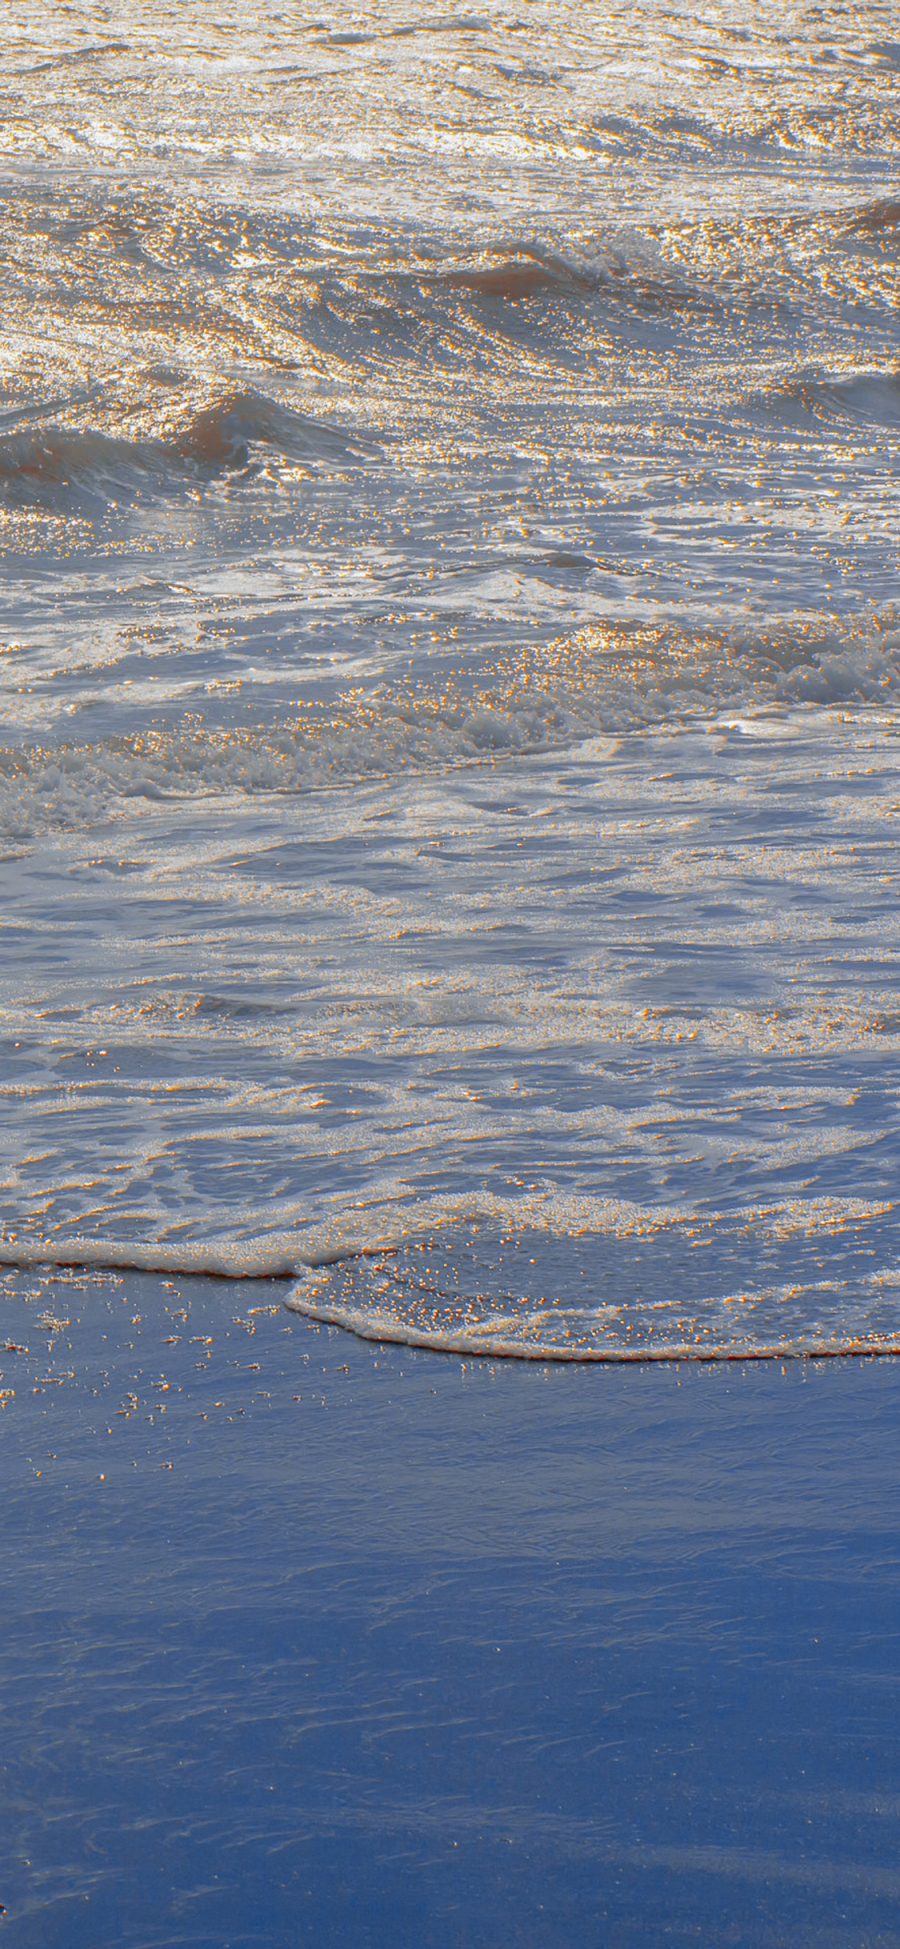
602	681
436	307
280	293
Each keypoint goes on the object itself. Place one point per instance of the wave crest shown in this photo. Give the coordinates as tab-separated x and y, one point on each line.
863	394
52	465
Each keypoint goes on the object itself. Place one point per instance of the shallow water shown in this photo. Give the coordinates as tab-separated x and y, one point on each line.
449	663
313	1642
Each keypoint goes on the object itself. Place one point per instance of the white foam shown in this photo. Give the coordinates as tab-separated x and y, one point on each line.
388	1224
601	681
521	1294
465	1344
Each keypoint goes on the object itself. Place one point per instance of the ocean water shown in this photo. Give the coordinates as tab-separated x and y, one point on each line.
450	659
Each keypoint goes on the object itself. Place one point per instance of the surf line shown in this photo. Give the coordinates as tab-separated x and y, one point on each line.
230	1263
580	1356
201	1262
390	1334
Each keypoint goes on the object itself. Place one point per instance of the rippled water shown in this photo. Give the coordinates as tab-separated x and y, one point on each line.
449	663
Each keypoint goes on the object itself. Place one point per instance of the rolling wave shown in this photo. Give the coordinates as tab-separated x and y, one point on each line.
631	276
872	397
236	289
462	307
880	219
53	465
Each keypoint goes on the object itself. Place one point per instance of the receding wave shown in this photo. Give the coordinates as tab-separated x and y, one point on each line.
635	1286
566	1278
51	465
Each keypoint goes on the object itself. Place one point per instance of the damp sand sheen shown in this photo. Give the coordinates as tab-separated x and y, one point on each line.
450	662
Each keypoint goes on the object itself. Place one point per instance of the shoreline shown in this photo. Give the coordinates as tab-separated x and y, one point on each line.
311	1640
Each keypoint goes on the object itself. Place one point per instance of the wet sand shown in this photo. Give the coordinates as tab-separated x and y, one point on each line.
309	1640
